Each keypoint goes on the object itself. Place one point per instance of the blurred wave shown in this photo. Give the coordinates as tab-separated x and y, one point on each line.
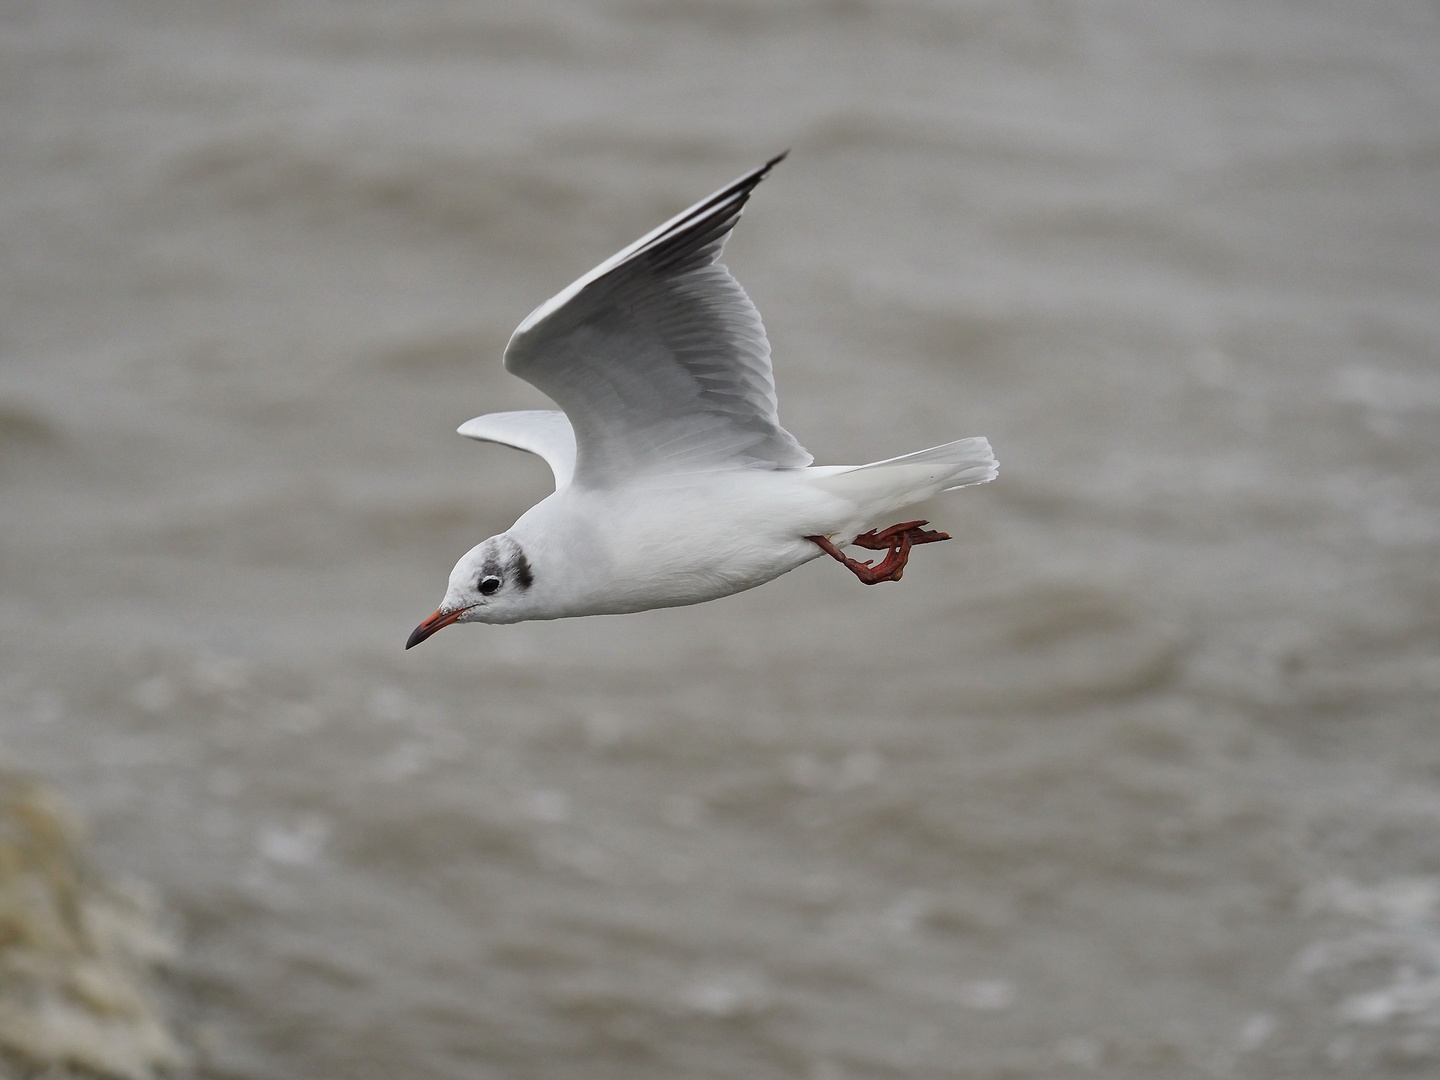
76	952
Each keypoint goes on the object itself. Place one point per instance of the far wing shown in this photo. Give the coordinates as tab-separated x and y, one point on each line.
659	358
545	432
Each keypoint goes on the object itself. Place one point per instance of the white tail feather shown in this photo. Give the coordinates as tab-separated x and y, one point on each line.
898	482
966	461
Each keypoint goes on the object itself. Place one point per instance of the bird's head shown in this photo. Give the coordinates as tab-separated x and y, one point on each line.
491	583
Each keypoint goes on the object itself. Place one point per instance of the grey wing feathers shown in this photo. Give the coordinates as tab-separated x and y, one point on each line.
544	432
658	357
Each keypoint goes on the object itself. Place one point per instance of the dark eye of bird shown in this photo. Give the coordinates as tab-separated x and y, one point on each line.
488	585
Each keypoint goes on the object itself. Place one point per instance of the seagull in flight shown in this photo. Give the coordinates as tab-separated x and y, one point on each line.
674	481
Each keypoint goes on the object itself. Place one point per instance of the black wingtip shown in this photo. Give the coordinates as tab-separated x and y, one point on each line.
742	187
748	182
764	170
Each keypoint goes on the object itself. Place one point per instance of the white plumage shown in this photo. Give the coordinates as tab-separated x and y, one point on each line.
674	481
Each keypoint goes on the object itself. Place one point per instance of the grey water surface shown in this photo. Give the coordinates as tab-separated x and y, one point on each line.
1137	777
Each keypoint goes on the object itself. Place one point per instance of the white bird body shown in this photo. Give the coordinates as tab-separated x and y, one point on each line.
608	552
675	483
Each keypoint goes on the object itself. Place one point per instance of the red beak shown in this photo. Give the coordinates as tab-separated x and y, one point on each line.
438	621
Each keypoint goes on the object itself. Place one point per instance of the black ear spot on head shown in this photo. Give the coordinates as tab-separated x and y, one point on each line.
488	584
520	570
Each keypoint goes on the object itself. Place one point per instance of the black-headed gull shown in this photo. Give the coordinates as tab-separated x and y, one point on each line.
674	481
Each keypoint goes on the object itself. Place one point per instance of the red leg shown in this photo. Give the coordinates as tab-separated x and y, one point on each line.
885	538
897	538
868	574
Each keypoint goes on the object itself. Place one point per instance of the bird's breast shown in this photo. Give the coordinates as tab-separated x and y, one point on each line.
669	543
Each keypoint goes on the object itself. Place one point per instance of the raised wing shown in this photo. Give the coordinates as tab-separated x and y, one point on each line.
659	358
545	432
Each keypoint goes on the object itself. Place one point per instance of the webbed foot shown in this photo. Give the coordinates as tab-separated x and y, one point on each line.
897	541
